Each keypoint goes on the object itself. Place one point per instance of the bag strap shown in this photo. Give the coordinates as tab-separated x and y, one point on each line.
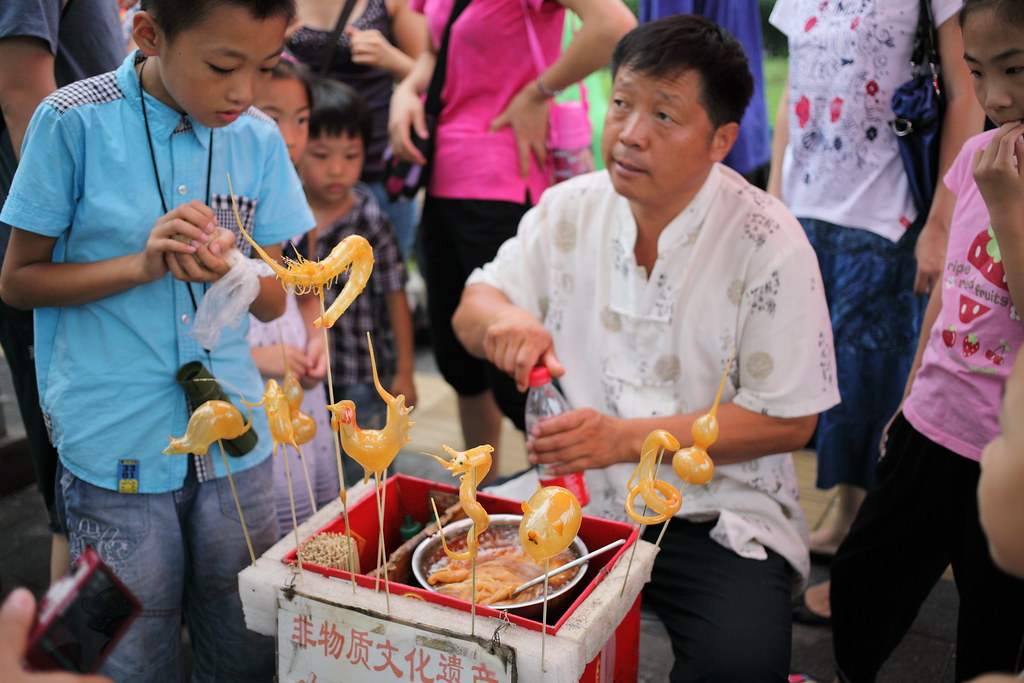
925	56
531	37
332	41
538	53
432	105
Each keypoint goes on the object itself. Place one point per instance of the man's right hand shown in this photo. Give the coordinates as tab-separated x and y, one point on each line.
517	342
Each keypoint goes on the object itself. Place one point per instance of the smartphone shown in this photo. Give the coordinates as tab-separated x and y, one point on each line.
81	618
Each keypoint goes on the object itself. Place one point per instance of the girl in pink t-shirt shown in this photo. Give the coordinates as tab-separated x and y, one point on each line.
488	164
922	513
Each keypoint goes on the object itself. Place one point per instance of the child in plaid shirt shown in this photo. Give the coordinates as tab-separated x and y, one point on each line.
339	128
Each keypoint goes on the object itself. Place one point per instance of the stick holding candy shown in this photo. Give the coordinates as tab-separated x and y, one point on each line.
693	465
551	520
473	465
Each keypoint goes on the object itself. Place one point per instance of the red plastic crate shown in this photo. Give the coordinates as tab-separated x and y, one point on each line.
405	495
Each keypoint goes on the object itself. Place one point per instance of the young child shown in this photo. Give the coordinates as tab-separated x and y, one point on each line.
114	169
339	129
286	99
922	513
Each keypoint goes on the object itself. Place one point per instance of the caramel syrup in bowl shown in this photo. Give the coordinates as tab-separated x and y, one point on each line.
501	566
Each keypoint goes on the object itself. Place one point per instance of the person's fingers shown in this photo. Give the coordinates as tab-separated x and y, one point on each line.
170	227
540	151
195	213
555	367
498	122
922	283
524	148
16	617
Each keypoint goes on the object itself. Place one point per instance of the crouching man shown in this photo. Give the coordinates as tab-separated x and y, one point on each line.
634	285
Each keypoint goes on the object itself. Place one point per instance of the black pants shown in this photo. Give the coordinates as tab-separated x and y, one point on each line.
16	337
920	515
728	616
457	236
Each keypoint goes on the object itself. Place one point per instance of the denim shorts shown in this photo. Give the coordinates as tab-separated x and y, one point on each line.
179	551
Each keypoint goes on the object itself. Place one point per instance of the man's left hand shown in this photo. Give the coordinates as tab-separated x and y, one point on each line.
581	439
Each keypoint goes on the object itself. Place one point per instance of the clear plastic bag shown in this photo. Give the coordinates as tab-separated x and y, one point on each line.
227	302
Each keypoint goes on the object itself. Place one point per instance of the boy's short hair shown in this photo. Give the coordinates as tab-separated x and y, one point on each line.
668	47
338	109
1006	11
175	16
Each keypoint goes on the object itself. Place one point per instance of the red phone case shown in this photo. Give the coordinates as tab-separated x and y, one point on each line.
81	618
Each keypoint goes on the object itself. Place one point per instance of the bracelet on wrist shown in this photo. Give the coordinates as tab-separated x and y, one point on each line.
547	92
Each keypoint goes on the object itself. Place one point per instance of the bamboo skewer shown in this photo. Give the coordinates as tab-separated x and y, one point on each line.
544	613
472	571
342	493
472	596
381	551
291	499
309	483
238	503
302	458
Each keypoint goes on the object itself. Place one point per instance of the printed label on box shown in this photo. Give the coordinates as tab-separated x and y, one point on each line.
318	642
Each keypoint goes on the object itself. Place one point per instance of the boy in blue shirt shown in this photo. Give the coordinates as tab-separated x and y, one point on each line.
115	169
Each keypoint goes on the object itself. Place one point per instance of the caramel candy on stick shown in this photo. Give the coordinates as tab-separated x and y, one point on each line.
473	465
213	421
551	520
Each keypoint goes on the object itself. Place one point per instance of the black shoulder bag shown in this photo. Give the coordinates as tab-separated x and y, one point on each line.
403	179
918	106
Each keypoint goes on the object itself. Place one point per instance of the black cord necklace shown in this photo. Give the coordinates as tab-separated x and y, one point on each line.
156	172
152	154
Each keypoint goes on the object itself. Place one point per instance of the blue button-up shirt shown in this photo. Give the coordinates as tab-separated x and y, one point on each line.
106	369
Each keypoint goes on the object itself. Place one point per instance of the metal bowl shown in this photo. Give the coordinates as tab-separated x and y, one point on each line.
530	609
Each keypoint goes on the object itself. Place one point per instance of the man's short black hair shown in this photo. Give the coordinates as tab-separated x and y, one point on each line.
339	109
1006	11
666	48
175	16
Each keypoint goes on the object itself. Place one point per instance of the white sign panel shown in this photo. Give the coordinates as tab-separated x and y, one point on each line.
318	642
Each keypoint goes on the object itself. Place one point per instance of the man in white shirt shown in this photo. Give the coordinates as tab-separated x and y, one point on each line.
634	285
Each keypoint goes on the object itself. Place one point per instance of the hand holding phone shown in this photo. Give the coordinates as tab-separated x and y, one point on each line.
16	618
81	618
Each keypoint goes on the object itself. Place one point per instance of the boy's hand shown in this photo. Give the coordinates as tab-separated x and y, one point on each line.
208	264
194	221
998	172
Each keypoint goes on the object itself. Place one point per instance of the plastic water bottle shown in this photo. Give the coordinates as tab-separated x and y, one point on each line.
544	400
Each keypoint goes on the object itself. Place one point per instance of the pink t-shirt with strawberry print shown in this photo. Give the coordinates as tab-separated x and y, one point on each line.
955	397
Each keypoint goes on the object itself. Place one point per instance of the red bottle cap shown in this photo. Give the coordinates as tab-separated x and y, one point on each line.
539	376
